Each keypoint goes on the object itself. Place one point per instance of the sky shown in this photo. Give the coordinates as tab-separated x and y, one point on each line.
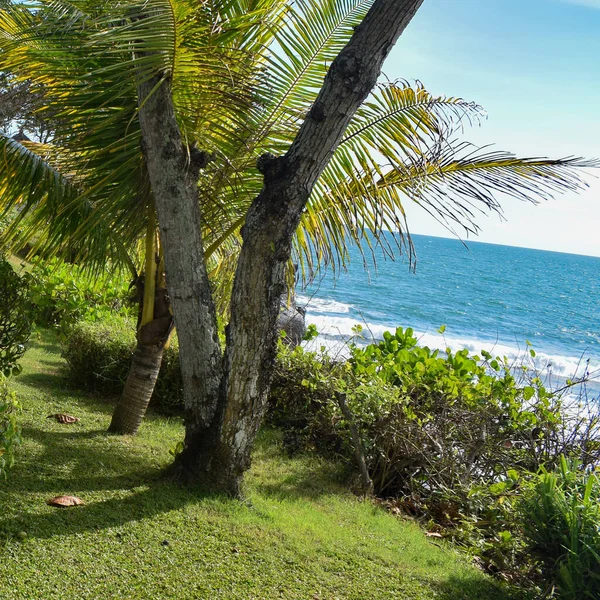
534	65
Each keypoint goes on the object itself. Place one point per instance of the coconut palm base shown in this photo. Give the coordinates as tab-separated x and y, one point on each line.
139	386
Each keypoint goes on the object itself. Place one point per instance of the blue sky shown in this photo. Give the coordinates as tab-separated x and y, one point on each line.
534	65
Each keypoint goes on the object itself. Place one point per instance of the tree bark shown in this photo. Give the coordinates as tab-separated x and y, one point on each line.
267	239
173	170
225	397
132	406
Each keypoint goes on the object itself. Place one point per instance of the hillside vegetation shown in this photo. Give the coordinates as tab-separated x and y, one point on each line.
299	534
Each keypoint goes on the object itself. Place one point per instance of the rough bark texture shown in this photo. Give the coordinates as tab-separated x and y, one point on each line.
225	397
138	389
173	171
267	235
145	365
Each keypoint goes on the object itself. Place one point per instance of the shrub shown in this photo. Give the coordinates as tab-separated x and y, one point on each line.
300	400
10	431
432	425
98	356
63	294
15	323
561	521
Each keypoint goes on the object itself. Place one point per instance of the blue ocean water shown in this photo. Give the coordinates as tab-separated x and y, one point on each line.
488	296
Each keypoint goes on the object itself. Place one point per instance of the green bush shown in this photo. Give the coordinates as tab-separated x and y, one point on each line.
561	521
449	437
63	294
10	431
98	355
300	400
432	425
15	322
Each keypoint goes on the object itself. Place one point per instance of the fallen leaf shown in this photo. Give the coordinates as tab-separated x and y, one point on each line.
64	501
65	419
433	534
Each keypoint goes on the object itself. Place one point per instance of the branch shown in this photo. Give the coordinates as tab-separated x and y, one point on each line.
359	451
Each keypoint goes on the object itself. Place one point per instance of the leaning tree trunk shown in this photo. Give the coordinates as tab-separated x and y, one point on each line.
139	386
226	399
153	335
154	327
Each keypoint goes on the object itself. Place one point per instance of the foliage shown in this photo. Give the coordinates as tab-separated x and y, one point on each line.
15	323
452	438
98	356
432	424
135	522
561	521
10	430
244	79
300	399
62	294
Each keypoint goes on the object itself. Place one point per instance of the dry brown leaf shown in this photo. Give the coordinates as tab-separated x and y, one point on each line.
433	534
64	501
65	419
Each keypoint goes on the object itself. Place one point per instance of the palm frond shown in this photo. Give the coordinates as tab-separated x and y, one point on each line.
454	184
464	180
50	209
312	36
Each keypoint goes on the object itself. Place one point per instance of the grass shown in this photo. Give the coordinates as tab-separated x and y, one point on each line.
300	534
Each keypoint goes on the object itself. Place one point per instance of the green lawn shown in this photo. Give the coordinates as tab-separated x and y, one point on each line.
300	534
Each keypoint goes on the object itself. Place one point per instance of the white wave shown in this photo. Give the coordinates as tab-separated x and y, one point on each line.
335	331
342	327
318	305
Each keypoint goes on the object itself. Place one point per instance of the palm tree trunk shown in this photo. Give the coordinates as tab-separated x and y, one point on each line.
225	396
154	330
132	406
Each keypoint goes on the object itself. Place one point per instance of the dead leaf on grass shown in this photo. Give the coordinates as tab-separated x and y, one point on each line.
65	419
64	501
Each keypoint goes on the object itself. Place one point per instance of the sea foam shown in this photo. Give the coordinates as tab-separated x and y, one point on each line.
335	332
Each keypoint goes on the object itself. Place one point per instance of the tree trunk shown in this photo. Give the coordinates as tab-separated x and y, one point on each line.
154	328
138	389
225	397
267	239
173	170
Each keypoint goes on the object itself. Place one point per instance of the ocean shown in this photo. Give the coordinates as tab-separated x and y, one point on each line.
491	297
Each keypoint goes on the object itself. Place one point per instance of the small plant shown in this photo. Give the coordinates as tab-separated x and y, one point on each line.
561	521
10	431
62	295
15	323
98	356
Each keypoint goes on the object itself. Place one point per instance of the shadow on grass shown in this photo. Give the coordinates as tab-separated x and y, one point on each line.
303	476
307	483
92	462
158	497
45	340
474	588
54	382
95	462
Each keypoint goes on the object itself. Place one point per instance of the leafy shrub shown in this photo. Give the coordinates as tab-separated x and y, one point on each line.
62	295
98	356
432	425
302	387
561	521
455	419
10	431
15	323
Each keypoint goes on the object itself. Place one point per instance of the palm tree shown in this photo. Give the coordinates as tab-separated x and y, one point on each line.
245	74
